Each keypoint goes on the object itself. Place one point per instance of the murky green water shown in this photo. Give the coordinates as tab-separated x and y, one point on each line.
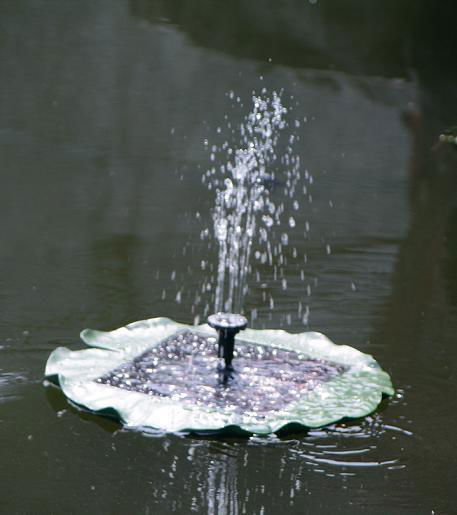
104	109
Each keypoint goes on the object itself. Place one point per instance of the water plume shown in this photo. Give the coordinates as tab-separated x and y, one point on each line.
245	213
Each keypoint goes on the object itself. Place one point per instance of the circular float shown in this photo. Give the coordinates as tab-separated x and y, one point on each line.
162	375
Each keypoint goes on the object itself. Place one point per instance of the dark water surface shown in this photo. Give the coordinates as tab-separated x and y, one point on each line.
104	109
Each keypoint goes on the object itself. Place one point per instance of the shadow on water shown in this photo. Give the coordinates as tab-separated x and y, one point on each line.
106	420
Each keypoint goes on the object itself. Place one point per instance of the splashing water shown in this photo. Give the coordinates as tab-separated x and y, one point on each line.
245	214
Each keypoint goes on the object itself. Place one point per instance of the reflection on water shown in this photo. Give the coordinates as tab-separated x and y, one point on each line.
344	455
297	34
10	385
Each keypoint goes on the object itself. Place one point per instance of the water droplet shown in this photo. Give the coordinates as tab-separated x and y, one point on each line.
267	220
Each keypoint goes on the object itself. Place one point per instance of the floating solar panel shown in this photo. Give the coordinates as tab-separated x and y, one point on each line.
168	376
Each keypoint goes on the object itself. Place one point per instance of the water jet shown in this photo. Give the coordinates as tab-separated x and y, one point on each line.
160	374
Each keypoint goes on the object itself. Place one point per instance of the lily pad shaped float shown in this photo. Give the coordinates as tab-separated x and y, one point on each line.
164	375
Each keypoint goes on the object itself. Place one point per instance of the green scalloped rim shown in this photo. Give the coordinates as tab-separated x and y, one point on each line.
353	394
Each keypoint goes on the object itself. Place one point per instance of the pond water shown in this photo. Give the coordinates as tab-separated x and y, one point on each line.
105	108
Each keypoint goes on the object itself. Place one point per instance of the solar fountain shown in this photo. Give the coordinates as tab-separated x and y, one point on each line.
158	374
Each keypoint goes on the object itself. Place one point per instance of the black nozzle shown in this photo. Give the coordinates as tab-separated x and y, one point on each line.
227	325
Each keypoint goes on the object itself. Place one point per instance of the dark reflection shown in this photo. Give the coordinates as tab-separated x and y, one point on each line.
421	318
424	281
107	421
450	262
356	37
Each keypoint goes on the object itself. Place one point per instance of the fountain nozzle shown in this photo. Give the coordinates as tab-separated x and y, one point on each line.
227	326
